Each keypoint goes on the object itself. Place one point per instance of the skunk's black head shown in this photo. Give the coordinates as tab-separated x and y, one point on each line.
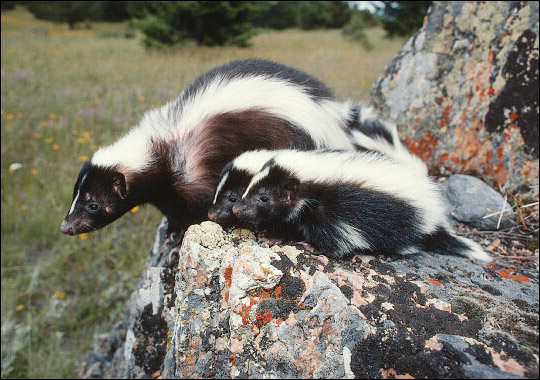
268	199
100	196
231	185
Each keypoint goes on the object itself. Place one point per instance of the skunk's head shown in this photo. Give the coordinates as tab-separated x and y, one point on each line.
100	196
221	210
231	185
269	197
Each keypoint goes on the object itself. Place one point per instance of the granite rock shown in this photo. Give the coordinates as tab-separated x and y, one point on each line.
224	306
464	91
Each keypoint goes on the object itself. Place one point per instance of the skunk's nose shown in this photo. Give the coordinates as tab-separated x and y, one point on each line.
66	228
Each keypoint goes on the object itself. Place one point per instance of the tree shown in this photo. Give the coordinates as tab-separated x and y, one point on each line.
206	22
355	29
279	15
74	12
323	14
402	18
71	12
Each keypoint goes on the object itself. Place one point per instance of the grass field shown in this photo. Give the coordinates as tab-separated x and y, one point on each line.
64	93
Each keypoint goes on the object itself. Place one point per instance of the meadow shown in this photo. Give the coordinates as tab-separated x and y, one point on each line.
65	93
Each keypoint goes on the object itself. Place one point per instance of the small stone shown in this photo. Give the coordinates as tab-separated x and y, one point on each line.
470	200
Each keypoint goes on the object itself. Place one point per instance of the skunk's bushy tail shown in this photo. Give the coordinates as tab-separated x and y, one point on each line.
444	242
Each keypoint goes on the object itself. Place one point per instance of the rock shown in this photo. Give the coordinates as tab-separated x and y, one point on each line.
464	91
224	306
470	200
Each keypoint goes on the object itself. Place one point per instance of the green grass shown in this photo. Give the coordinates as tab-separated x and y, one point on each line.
65	93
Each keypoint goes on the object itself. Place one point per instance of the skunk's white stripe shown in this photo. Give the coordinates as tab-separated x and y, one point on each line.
254	160
397	152
131	151
77	196
353	238
220	185
256	178
296	210
324	120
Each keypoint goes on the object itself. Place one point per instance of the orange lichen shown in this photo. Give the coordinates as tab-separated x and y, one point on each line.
433	281
325	326
263	317
228	282
245	310
508	273
446	116
232	359
422	147
278	291
443	157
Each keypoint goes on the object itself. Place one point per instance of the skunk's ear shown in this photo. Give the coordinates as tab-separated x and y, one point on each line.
291	188
119	185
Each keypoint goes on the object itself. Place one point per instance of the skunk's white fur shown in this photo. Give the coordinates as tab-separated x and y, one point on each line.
393	148
277	96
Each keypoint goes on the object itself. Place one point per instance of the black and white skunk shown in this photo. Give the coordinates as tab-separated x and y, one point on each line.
353	202
173	158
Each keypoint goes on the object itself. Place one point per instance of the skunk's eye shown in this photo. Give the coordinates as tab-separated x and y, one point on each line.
93	208
264	199
232	199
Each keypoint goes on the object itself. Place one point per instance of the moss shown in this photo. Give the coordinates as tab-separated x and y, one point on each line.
468	307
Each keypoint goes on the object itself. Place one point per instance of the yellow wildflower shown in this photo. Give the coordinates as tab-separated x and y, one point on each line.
56	146
83	236
52	116
135	209
60	295
34	171
37	135
83	158
20	307
10	116
48	140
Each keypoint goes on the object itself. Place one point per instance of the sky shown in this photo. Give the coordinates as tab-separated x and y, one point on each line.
366	4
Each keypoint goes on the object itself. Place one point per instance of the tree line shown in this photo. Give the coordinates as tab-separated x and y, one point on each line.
231	22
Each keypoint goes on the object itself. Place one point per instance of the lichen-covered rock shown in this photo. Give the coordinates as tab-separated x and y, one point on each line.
223	306
464	91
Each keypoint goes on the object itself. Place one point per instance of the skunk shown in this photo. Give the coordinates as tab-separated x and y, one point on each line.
352	202
173	158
